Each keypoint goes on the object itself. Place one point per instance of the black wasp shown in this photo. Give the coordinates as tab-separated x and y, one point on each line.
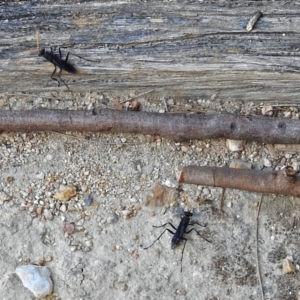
58	62
178	235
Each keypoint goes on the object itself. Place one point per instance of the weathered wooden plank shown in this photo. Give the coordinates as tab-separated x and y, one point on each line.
188	49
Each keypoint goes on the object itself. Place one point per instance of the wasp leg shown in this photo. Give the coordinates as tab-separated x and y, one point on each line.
67	57
159	237
53	77
59	53
198	234
184	239
59	75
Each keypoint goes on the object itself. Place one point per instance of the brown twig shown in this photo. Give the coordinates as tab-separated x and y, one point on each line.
176	126
222	201
285	182
257	251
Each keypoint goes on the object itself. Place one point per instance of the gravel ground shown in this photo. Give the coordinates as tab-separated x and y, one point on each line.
83	204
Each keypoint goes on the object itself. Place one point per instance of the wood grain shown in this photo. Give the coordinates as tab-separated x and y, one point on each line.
182	48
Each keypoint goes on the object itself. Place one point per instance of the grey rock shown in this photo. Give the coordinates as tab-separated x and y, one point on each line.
36	278
88	200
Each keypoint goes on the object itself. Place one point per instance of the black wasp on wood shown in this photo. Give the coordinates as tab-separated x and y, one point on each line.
178	235
57	61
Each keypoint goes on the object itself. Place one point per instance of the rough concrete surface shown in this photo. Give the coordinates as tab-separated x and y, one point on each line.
96	251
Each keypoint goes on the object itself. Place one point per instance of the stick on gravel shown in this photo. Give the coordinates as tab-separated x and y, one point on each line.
176	126
284	182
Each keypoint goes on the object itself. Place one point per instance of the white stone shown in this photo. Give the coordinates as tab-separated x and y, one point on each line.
267	110
49	157
267	163
235	145
36	278
205	191
40	175
171	183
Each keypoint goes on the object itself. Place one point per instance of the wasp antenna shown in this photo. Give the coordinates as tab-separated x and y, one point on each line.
37	37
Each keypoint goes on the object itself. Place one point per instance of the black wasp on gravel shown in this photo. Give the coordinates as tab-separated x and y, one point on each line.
180	231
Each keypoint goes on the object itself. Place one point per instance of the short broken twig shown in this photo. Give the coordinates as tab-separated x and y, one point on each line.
284	182
253	20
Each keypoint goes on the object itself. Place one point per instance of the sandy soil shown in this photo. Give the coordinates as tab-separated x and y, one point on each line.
97	251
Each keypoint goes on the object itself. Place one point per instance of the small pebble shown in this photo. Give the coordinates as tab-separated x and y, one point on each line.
205	191
113	218
32	208
73	248
288	155
40	175
267	163
133	200
137	187
65	193
36	278
10	179
171	183
49	157
170	101
48	214
120	191
48	194
181	292
295	165
267	110
88	200
63	208
39	210
124	287
4	197
288	266
90	106
118	247
235	145
127	214
135	237
89	243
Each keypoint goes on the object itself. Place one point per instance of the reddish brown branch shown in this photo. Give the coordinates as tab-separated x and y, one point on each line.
285	182
177	126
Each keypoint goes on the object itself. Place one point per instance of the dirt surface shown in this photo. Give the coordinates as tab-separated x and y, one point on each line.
96	250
